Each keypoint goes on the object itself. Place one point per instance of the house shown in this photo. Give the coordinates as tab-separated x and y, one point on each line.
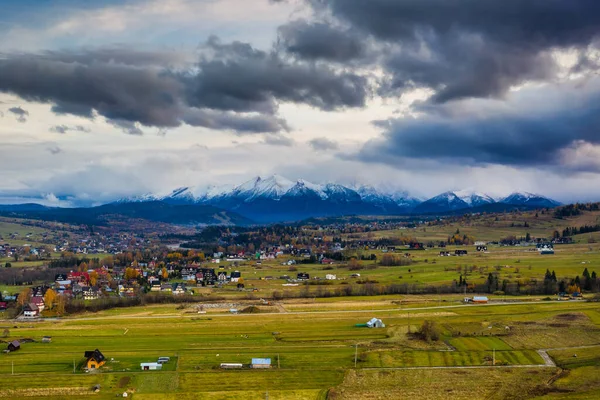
178	289
330	277
13	346
545	248
261	363
30	310
90	293
236	276
460	252
3	305
444	254
152	366
416	246
46	339
39	302
94	359
482	248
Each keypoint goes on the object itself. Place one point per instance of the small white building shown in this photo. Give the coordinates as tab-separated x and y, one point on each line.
375	323
152	366
261	363
31	310
330	277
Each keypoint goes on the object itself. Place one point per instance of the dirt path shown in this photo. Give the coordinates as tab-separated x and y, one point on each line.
549	362
170	316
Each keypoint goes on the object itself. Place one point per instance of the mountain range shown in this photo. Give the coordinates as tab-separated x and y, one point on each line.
276	198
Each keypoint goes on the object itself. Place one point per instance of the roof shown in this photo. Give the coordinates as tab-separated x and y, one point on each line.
95	354
261	361
15	343
480	298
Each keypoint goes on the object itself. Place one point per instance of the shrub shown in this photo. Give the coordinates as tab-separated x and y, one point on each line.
429	331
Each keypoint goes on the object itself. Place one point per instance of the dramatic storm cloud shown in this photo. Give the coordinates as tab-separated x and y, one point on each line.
321	40
467	48
232	87
119	98
492	132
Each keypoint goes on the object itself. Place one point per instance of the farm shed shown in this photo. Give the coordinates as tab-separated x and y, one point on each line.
231	365
94	359
375	323
480	299
261	363
13	346
152	366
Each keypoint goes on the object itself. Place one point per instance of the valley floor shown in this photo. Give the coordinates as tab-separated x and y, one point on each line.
542	350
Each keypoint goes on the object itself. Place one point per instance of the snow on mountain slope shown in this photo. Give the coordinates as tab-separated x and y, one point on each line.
529	199
304	188
279	198
273	188
473	198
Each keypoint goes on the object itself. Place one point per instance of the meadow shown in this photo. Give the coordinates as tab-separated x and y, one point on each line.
312	353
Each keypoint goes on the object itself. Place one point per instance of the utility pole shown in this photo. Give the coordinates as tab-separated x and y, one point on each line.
409	322
355	354
73	365
13	368
278	365
494	357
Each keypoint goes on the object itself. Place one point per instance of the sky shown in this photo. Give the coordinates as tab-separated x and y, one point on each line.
107	99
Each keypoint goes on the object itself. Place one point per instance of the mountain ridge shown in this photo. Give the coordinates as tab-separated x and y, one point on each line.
276	198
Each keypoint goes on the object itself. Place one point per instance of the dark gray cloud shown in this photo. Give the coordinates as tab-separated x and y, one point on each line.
65	128
238	77
321	40
20	113
323	144
521	133
232	87
468	48
129	127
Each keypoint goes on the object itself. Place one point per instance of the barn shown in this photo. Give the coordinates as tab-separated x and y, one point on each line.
261	363
13	346
375	323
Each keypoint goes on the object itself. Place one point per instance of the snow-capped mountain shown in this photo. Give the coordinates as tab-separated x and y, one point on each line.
447	201
466	199
473	198
529	199
276	198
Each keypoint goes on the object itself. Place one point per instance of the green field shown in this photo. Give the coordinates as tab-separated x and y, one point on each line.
312	353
